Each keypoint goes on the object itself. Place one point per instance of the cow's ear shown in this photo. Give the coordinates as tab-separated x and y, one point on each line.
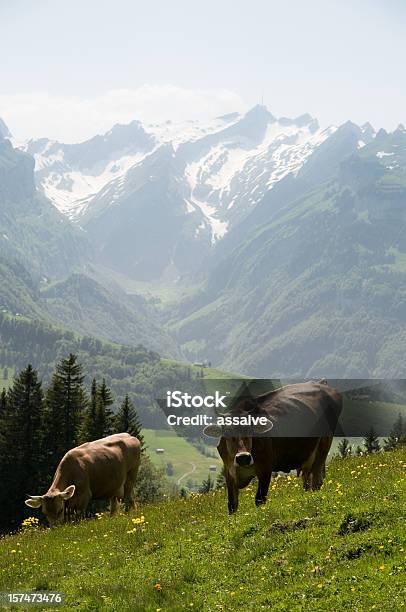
213	431
263	428
69	492
33	503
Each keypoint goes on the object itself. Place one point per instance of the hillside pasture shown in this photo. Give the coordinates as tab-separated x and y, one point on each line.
185	458
342	548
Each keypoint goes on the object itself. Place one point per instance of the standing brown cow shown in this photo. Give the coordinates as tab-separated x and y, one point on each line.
103	469
297	434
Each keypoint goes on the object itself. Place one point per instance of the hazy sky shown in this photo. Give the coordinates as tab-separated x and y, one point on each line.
70	69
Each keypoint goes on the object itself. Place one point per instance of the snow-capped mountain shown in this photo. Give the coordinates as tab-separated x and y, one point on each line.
72	174
295	232
230	171
192	180
229	161
4	131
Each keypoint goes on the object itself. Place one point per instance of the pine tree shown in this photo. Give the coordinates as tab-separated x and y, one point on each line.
371	442
207	485
105	416
21	443
3	403
3	409
344	448
66	404
151	484
90	425
69	381
127	421
396	435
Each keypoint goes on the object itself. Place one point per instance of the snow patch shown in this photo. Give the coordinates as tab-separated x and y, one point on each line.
71	191
189	207
178	133
230	171
381	154
218	227
228	179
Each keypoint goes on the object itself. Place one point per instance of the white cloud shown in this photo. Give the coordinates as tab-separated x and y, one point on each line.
72	119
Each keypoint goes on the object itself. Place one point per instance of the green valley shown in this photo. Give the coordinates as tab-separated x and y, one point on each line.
190	465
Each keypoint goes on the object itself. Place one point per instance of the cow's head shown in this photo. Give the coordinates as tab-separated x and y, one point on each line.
239	439
52	504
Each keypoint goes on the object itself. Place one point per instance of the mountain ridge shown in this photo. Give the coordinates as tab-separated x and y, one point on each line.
220	172
316	288
283	242
47	265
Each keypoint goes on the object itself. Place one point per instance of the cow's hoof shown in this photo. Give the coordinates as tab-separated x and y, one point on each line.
260	502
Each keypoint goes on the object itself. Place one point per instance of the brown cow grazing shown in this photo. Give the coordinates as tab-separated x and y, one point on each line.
103	469
296	434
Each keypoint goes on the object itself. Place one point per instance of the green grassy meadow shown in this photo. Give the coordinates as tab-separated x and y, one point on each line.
208	373
185	458
342	548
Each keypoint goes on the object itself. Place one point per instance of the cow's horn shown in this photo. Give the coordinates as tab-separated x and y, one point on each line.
34	496
213	431
264	428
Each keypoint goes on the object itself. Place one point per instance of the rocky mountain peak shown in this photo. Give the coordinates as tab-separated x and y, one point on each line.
4	131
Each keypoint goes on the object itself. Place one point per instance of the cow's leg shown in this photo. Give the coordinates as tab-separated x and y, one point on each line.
264	480
71	514
307	466
232	491
82	504
129	500
307	478
319	465
114	505
79	511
